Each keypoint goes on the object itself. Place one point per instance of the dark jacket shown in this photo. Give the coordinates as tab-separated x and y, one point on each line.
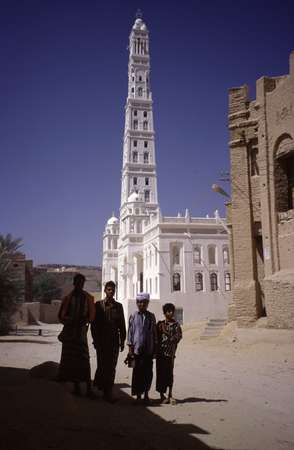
109	326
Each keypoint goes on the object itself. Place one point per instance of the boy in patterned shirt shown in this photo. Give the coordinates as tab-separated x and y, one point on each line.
169	334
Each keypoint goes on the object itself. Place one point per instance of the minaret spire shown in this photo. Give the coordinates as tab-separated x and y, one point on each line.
139	167
139	14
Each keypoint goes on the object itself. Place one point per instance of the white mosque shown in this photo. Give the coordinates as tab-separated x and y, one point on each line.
183	259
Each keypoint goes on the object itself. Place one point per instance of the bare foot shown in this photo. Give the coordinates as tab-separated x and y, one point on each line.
172	401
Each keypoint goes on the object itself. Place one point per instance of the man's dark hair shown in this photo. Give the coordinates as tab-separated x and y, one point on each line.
168	307
110	284
78	277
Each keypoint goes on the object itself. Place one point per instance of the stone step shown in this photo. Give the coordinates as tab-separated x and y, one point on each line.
213	328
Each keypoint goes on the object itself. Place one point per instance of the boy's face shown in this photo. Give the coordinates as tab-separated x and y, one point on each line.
142	305
169	314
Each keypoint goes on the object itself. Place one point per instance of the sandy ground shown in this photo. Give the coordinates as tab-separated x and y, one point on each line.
234	392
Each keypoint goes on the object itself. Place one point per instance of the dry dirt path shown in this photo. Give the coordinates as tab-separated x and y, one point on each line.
233	393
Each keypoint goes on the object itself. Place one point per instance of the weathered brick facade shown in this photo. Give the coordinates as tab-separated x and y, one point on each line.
261	212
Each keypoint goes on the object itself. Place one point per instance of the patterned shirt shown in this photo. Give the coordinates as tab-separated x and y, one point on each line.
169	335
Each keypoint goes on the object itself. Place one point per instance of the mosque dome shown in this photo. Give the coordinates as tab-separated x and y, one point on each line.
133	197
113	220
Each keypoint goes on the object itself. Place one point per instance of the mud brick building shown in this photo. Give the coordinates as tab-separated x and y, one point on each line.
261	212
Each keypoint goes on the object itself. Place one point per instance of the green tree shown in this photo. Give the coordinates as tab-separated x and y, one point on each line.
46	288
10	289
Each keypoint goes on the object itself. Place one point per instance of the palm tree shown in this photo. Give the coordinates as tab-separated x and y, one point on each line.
9	288
8	245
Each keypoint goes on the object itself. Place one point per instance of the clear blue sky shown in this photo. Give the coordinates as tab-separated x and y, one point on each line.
63	88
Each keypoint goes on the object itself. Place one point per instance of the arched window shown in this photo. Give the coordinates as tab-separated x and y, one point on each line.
145	125
135	181
145	114
197	254
212	254
213	282
176	255
198	281
135	157
226	256
135	124
146	157
227	281
140	92
284	174
147	196
176	281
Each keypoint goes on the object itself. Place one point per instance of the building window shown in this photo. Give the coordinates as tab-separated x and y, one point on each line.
179	315
146	181
227	281
284	175
197	254
156	285
135	143
226	255
146	158
135	112
290	176
145	125
212	254
176	281
145	144
175	255
145	114
135	180
254	168
135	157
135	124
213	282
198	281
132	90
140	78
147	196
140	92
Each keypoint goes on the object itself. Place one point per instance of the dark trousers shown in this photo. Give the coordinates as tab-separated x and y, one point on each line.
142	374
106	365
164	373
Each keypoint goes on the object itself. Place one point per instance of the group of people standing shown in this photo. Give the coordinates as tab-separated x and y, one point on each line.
146	340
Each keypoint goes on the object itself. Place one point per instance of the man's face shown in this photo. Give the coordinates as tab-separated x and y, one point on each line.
142	305
79	283
109	292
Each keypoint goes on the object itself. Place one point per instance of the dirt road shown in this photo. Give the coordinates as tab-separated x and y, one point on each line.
234	392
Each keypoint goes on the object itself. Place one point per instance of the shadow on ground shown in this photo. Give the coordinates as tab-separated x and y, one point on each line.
201	400
39	414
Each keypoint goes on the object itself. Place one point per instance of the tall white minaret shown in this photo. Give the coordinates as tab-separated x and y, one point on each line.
139	182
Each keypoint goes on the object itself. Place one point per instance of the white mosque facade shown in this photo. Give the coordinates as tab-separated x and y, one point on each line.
183	259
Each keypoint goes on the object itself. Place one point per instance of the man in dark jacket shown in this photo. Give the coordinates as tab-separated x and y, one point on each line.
109	335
